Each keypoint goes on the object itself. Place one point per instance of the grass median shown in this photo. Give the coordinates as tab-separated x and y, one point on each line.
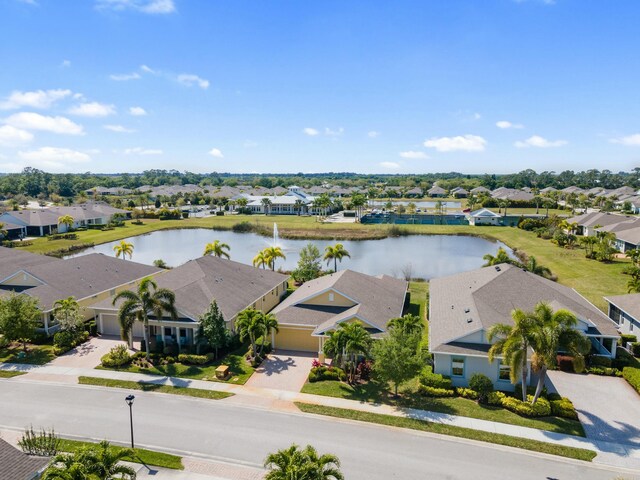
460	432
141	455
10	373
153	387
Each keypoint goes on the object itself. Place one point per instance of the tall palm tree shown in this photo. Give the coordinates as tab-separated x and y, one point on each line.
148	300
217	249
336	253
501	257
242	202
260	260
269	324
346	343
513	346
123	249
552	332
534	267
266	204
67	467
295	464
409	324
272	254
101	461
66	220
298	205
249	325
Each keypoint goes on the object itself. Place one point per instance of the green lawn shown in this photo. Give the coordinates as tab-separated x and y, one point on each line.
401	422
240	369
36	354
373	393
146	457
151	387
10	374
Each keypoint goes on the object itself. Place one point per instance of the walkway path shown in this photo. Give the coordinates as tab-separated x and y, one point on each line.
609	453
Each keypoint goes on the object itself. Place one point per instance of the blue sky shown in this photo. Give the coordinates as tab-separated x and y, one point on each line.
475	86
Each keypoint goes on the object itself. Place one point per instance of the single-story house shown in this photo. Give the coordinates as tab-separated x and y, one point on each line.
587	222
89	278
484	216
282	204
625	311
572	189
627	234
459	192
317	307
13	231
16	465
437	192
415	192
235	287
548	190
512	194
463	307
480	191
109	191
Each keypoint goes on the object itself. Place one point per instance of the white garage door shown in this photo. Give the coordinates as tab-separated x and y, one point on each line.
111	326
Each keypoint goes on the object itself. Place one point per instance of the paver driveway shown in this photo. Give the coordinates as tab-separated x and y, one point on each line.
88	354
608	407
283	370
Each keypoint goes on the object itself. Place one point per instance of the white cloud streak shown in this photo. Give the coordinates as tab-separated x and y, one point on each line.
414	155
505	124
629	140
35	99
537	141
390	165
142	151
216	152
54	158
312	132
152	7
464	143
191	80
118	128
137	111
93	109
35	121
11	136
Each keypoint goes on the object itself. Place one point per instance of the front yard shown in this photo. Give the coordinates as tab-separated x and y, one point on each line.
35	355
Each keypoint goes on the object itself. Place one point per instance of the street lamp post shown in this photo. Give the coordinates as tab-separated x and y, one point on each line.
129	399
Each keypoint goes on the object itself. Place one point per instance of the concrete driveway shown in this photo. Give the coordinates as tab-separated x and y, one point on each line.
88	354
284	370
608	407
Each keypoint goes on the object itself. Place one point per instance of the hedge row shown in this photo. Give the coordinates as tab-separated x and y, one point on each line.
632	375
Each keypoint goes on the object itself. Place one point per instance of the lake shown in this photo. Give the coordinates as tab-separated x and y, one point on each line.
426	256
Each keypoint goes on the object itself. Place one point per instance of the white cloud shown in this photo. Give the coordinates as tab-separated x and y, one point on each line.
539	142
373	134
333	133
312	132
414	154
629	141
137	111
54	158
190	80
118	128
505	124
216	152
467	143
93	109
35	121
142	151
35	99
390	165
123	77
10	136
153	7
66	63
148	69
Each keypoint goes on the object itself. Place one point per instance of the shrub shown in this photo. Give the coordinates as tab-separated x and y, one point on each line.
565	363
632	375
322	373
481	384
635	349
434	380
627	338
43	443
542	408
117	357
599	361
363	370
563	407
531	390
65	340
624	359
242	227
495	398
611	372
93	329
188	359
436	392
467	393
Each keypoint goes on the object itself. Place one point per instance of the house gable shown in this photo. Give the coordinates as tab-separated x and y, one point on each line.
21	279
330	297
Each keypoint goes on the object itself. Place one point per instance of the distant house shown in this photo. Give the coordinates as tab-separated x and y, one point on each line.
459	192
437	192
480	191
463	307
624	310
16	465
235	287
282	204
547	190
319	306
512	194
484	216
415	192
572	189
109	191
587	222
14	231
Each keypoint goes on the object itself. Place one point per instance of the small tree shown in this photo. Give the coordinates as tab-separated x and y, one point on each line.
481	384
309	264
397	358
68	313
19	317
294	463
213	328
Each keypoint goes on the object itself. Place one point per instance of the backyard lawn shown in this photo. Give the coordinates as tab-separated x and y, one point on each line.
372	392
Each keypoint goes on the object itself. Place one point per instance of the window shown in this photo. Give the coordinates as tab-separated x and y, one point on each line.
331	297
168	331
504	372
457	367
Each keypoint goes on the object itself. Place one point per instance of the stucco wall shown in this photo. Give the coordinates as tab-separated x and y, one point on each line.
323	299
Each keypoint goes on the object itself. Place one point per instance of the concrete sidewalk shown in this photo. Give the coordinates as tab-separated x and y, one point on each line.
613	454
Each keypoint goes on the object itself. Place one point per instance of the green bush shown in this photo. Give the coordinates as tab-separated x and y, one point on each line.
599	361
188	359
435	380
632	375
624	359
65	340
467	393
481	384
531	390
436	392
563	408
43	443
495	398
542	408
322	373
635	349
610	372
117	357
627	338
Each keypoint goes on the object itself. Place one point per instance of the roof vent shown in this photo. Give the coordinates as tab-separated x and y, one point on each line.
451	307
497	268
466	310
469	320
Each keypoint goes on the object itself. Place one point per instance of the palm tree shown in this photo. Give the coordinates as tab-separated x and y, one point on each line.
501	257
67	467
123	249
148	300
513	346
66	220
266	204
633	285
269	324
242	202
297	206
295	464
217	249
272	254
346	343
633	254
409	324
504	204
67	312
101	461
249	325
261	260
335	253
552	332
3	232
534	267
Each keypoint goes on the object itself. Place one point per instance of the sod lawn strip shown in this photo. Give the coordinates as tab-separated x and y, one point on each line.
152	387
141	455
10	373
460	432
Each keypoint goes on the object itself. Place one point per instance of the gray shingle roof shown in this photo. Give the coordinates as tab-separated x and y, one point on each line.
12	260
599	218
15	465
629	303
472	301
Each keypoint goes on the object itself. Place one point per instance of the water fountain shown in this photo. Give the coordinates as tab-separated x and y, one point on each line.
276	238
